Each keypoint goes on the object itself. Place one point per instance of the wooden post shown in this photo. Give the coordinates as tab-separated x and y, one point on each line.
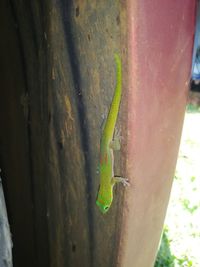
57	79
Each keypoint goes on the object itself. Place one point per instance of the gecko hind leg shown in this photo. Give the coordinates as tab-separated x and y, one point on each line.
118	179
115	144
103	123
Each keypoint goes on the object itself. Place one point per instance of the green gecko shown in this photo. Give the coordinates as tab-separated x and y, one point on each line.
107	145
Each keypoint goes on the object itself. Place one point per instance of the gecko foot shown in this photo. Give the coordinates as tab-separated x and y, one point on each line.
118	133
118	179
115	144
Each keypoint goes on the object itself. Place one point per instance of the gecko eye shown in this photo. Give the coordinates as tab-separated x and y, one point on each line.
106	208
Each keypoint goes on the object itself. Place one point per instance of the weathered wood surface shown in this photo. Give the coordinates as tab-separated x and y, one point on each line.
5	236
57	79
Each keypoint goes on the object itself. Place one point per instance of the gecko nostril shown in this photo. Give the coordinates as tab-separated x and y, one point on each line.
73	248
77	11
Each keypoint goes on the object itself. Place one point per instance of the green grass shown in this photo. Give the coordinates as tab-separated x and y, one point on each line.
165	257
192	109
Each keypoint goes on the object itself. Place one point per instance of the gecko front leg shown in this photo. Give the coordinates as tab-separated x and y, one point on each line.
118	179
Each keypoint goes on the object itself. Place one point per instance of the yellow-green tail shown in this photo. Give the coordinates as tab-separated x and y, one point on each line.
114	108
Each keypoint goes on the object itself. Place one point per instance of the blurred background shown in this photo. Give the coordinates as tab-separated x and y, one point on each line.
181	234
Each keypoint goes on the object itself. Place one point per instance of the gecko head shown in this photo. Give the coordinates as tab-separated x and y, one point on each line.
103	203
103	207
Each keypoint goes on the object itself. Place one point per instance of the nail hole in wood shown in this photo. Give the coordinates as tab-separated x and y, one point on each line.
73	248
118	19
77	11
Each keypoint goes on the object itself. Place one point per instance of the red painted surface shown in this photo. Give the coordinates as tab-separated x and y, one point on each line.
159	59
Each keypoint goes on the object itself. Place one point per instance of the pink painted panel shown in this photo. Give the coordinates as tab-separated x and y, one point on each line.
160	41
